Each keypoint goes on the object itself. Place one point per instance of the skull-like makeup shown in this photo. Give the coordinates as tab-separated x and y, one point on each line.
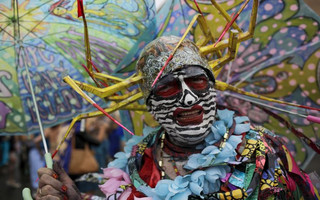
183	102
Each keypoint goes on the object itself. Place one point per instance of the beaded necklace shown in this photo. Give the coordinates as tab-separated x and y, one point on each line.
174	166
161	156
161	161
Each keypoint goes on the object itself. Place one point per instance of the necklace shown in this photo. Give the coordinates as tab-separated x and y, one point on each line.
161	155
174	166
171	160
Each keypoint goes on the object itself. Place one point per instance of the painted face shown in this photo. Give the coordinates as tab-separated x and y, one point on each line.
183	102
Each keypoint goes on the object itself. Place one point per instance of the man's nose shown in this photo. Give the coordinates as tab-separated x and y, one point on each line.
188	97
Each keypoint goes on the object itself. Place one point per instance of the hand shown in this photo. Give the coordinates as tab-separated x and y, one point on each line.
56	184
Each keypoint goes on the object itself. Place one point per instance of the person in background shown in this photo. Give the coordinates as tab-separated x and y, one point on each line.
4	150
36	159
14	151
99	127
84	136
115	137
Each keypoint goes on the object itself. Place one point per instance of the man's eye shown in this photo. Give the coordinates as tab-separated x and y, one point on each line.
168	89
198	82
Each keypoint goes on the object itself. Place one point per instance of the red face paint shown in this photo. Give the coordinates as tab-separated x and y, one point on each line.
185	117
168	89
197	82
173	87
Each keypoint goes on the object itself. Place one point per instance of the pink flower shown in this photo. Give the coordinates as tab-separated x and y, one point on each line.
125	195
116	178
116	173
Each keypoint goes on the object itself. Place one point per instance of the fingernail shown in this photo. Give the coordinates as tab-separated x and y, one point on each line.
64	188
55	176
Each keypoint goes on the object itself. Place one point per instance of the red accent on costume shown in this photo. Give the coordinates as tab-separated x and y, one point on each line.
149	173
80	8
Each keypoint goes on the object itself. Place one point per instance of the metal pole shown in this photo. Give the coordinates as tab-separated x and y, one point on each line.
37	110
17	40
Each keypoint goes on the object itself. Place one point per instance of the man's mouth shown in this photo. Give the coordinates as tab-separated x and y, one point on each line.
185	117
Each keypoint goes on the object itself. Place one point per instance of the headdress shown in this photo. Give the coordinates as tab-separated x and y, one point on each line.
156	53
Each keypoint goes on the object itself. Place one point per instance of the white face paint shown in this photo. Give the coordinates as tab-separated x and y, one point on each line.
188	97
184	105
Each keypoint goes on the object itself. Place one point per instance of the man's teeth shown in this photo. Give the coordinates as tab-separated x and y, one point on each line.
184	118
185	113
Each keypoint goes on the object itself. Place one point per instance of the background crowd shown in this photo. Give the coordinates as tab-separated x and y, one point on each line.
93	145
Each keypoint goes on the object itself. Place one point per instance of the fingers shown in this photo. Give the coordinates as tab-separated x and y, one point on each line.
49	197
49	192
63	176
58	169
55	184
43	171
46	179
73	192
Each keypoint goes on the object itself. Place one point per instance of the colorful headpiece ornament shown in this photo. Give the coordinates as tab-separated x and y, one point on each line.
156	54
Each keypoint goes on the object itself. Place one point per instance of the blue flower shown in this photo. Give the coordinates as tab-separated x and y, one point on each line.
226	116
213	136
217	131
241	127
134	140
180	183
194	161
162	188
181	196
204	159
179	188
210	150
197	182
120	162
221	127
234	140
227	154
213	175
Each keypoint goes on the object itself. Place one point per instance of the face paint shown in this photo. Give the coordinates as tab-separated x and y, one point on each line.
183	102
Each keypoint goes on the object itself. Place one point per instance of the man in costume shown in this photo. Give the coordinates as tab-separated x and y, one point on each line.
199	151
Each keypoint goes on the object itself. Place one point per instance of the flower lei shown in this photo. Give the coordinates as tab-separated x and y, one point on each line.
212	161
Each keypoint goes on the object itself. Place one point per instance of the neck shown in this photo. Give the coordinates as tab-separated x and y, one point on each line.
178	150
